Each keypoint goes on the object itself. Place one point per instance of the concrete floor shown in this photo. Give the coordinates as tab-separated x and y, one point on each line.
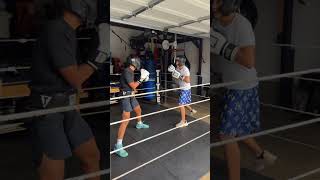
297	149
203	109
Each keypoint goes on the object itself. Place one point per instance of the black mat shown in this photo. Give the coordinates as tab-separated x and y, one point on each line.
16	153
219	172
189	162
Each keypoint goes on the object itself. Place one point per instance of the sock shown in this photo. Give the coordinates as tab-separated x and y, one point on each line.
119	141
139	122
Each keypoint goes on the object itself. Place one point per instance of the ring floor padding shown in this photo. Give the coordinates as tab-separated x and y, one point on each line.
16	153
219	172
188	163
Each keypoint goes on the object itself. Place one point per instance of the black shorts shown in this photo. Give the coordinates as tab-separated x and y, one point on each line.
129	103
57	135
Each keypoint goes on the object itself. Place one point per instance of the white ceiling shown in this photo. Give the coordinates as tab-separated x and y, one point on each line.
187	17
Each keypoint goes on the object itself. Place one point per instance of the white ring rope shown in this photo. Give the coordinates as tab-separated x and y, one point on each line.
157	112
94	113
95	88
196	95
154	92
307	79
297	46
15	83
305	174
265	78
162	155
23	40
156	135
42	112
310	146
266	132
290	109
91	175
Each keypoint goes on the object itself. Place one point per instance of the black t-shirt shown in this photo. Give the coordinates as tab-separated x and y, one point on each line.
127	76
55	49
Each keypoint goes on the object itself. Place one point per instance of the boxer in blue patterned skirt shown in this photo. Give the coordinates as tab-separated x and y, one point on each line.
232	40
182	74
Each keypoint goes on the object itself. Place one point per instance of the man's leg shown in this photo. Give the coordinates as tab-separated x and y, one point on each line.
263	157
192	111
89	156
50	169
183	114
189	108
253	146
137	110
184	98
230	127
121	132
232	154
50	146
123	125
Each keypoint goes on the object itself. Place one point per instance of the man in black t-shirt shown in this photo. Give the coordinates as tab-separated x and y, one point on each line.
56	78
128	87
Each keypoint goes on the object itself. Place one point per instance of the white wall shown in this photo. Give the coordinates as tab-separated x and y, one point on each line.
192	53
268	57
120	49
306	28
206	57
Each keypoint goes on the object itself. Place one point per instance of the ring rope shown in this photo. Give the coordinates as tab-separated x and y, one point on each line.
290	109
15	83
157	112
154	92
94	113
265	78
23	40
90	175
305	174
158	157
95	88
156	135
196	95
265	132
310	146
307	79
42	112
296	46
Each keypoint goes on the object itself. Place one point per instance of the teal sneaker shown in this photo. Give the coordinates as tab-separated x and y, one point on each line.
122	153
142	126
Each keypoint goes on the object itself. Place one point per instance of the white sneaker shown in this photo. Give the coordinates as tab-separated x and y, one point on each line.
193	112
267	159
182	124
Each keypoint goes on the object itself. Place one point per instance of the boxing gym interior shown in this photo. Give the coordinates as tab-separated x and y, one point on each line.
157	35
159	89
